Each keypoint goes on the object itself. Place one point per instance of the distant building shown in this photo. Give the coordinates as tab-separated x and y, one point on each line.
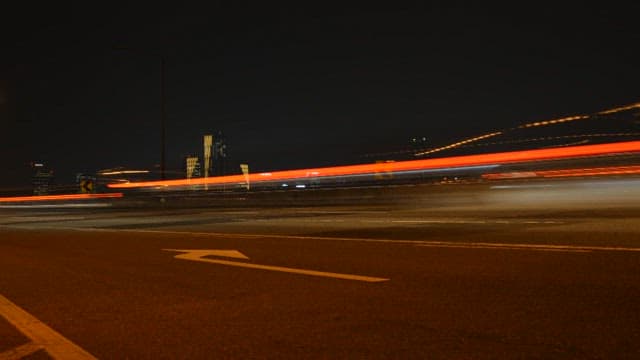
192	167
42	179
215	157
220	164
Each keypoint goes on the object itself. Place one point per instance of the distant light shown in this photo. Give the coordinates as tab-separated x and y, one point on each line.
121	172
301	186
38	165
285	185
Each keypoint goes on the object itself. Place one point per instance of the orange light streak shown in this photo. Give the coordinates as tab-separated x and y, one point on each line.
533	124
60	197
613	170
609	170
555	121
424	164
620	109
459	143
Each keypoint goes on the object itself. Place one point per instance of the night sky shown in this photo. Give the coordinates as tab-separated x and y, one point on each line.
294	87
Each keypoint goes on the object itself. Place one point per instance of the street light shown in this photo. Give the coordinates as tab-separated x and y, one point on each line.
163	103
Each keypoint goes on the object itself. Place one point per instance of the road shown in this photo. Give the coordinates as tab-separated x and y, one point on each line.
443	272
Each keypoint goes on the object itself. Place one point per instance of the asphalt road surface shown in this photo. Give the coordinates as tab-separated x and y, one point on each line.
514	270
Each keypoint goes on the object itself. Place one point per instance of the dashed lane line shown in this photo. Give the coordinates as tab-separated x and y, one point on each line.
42	336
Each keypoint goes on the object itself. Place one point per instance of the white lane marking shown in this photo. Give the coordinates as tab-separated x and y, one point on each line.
235	212
478	221
504	247
498	246
198	255
435	221
20	352
440	221
56	345
520	186
26	219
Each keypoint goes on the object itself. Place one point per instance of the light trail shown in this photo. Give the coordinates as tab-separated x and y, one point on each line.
608	170
620	109
555	121
459	143
400	166
612	170
530	125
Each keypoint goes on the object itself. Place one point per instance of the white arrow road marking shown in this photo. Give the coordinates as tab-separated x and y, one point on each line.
43	337
198	255
195	254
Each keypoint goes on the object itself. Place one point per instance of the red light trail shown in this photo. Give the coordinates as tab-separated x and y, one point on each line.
60	197
409	165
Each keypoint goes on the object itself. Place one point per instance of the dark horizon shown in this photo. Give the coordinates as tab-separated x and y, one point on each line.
297	87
